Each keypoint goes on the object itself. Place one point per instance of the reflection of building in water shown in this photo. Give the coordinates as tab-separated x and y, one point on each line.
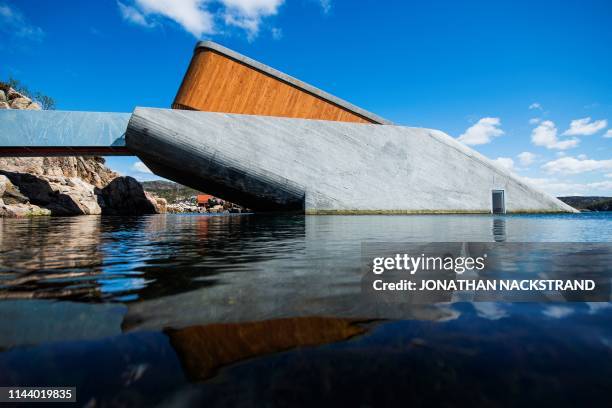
204	349
499	229
202	223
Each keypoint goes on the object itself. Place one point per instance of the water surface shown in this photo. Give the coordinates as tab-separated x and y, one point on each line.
254	310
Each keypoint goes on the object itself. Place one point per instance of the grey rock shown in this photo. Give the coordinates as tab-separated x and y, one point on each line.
68	186
55	195
161	204
34	106
90	169
125	196
12	94
15	204
4	105
2	96
10	193
3	182
22	210
20	103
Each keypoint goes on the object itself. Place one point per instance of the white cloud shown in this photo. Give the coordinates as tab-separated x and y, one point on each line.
325	5
197	16
14	24
559	188
608	134
505	162
490	310
557	312
482	132
601	185
247	14
526	158
609	175
584	127
534	121
132	15
277	33
596	307
535	105
573	165
192	15
254	7
140	167
552	187
545	134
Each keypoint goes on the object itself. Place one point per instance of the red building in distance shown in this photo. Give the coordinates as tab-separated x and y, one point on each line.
202	199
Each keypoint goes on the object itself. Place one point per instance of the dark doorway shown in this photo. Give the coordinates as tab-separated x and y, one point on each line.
499	202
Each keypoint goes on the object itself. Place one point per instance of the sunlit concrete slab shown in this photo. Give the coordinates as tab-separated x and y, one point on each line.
62	133
320	167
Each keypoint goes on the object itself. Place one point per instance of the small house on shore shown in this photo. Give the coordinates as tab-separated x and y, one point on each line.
202	199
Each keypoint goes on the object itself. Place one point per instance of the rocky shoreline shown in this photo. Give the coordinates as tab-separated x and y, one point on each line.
182	199
65	186
182	208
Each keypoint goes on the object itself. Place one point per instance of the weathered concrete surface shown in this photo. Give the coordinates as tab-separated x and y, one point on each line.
325	167
61	133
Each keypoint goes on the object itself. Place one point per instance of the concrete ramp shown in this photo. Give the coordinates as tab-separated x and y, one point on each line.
321	167
62	133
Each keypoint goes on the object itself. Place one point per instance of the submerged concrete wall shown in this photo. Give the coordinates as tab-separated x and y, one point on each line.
325	167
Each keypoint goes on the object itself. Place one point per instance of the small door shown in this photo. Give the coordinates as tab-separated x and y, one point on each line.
499	202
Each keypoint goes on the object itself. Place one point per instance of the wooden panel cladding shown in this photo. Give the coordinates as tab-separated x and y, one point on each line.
217	83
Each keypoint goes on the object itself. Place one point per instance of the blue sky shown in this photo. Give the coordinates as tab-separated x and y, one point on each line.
528	83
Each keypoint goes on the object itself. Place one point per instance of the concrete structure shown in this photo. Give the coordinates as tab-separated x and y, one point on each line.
62	133
270	163
288	160
319	167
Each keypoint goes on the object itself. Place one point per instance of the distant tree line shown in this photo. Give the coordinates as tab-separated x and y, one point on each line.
589	203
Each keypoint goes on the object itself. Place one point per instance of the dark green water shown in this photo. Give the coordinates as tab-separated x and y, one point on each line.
248	310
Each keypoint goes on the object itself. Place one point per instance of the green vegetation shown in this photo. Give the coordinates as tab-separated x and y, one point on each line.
589	203
169	190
